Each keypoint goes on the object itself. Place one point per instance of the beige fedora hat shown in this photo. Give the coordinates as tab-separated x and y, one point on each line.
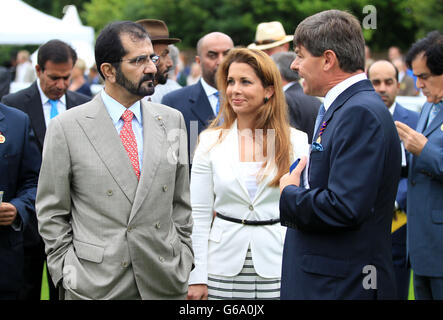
270	35
157	30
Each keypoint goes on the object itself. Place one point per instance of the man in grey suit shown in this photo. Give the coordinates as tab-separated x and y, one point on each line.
116	217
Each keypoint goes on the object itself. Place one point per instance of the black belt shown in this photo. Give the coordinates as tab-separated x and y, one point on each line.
248	222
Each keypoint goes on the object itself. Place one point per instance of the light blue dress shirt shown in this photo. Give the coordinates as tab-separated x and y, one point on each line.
116	110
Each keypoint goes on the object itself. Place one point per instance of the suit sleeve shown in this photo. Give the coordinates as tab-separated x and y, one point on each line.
53	201
430	159
356	168
182	213
24	199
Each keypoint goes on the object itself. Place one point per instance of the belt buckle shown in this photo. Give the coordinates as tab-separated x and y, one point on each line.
242	221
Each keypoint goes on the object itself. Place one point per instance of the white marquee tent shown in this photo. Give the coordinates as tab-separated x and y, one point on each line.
21	24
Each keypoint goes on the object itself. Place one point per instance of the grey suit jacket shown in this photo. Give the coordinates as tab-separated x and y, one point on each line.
107	235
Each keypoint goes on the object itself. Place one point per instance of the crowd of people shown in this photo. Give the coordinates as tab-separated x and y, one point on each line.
273	174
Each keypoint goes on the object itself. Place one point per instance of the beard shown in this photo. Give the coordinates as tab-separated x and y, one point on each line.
136	89
161	77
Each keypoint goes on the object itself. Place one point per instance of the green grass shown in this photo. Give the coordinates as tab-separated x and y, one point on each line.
45	288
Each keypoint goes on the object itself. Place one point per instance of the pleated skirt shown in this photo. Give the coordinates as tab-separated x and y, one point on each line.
246	285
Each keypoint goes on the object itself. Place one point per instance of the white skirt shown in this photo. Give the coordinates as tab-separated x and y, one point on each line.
246	285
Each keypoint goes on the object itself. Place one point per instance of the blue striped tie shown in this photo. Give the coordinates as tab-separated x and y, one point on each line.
433	113
217	108
318	120
54	110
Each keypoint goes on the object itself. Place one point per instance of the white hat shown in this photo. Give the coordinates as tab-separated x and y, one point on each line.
270	35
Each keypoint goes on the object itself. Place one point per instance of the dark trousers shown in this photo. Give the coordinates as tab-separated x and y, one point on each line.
401	268
33	272
428	288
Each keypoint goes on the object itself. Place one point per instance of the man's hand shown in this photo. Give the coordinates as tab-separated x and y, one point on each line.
197	292
8	213
413	141
294	177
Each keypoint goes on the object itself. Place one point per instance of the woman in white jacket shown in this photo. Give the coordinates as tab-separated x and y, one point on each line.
237	238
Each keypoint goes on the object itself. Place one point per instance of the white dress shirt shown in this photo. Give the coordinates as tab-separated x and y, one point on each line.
210	92
338	89
61	105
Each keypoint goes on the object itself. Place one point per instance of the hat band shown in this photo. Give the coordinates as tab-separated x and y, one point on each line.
268	41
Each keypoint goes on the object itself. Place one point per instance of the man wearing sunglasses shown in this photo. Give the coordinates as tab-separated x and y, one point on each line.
116	219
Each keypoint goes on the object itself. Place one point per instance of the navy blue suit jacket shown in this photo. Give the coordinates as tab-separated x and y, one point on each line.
28	100
193	103
425	199
339	230
19	168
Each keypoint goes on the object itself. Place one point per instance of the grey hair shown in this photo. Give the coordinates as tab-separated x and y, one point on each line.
334	30
173	53
283	60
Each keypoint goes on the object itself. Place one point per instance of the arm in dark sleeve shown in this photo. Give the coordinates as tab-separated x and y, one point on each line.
356	170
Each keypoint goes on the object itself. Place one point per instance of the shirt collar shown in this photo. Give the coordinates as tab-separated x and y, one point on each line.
341	87
116	109
392	108
210	90
288	85
44	98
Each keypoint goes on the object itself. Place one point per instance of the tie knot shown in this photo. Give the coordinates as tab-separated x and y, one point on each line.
53	102
127	115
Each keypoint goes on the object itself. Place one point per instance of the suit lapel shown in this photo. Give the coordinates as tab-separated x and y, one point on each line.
98	126
3	131
34	109
424	117
154	135
200	105
435	123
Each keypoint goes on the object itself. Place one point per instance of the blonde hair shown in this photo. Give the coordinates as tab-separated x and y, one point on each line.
272	115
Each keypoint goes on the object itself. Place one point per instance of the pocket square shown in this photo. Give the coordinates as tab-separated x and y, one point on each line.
317	146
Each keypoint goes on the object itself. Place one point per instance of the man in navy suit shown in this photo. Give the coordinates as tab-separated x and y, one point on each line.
198	103
384	77
338	241
425	177
55	61
19	169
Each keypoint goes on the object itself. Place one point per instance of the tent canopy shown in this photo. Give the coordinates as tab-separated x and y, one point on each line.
21	24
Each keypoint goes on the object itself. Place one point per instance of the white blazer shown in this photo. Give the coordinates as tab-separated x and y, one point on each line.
216	185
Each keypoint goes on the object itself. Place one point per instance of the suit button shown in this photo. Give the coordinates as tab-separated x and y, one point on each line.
165	188
413	182
130	229
161	259
251	207
109	193
157	225
124	264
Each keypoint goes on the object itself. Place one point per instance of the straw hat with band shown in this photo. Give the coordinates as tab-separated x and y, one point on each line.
270	35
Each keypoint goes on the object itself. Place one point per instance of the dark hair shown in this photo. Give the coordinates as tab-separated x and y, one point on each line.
432	48
283	60
393	65
55	51
108	46
334	30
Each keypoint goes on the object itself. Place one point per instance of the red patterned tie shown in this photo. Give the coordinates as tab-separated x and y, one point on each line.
129	142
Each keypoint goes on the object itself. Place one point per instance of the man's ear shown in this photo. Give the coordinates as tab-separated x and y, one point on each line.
330	60
109	72
38	70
